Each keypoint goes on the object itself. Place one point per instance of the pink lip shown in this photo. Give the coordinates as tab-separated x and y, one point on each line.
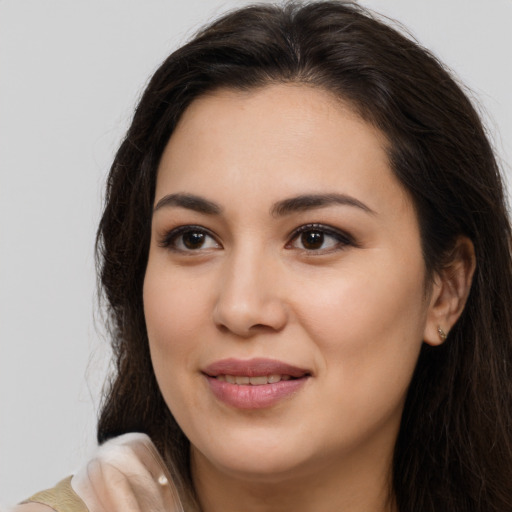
250	396
253	368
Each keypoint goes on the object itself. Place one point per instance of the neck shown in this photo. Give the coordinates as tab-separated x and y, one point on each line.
359	483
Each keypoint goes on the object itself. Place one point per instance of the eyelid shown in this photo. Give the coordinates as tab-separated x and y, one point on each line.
342	236
169	237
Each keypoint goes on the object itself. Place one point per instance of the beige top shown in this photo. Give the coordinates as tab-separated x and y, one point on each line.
127	473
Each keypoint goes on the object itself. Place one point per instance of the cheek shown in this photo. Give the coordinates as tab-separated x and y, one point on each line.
173	321
368	326
173	316
173	301
350	304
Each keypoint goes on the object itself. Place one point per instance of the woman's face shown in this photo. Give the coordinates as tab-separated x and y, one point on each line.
285	291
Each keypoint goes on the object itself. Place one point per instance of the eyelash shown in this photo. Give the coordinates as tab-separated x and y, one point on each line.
169	240
342	239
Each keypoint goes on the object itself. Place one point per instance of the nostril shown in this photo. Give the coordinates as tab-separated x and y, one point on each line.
249	314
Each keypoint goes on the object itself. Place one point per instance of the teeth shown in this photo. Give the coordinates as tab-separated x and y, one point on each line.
254	381
258	381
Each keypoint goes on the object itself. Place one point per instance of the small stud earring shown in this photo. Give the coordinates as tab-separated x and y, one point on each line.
441	333
162	480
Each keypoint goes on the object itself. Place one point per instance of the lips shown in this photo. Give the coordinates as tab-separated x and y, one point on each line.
253	368
254	383
242	380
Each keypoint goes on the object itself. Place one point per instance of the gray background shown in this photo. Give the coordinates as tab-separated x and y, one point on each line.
70	74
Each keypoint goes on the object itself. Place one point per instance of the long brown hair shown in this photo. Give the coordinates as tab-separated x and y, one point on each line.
454	449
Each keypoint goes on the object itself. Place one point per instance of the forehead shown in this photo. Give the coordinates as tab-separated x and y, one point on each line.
277	140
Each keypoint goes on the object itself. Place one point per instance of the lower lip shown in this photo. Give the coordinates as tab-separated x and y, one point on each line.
248	396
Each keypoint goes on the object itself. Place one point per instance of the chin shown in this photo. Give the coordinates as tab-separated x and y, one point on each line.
257	460
262	470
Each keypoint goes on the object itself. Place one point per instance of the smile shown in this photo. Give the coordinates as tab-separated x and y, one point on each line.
255	383
242	380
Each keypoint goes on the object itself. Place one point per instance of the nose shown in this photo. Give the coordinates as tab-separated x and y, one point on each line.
249	299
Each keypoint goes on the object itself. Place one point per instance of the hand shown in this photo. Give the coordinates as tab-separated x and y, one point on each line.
127	475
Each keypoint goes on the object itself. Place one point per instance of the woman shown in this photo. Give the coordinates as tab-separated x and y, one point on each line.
305	252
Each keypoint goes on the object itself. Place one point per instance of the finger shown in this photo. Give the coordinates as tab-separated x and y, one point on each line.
113	488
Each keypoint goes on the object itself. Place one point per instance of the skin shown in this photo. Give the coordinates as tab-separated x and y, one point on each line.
354	311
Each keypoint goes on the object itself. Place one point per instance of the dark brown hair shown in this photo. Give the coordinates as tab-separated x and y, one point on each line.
454	449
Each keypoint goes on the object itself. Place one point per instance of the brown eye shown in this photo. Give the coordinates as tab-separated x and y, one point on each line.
318	238
189	239
193	240
312	240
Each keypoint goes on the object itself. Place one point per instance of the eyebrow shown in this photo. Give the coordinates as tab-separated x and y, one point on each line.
190	202
280	209
312	201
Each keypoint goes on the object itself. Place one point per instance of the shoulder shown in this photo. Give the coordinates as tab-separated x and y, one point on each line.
61	498
124	471
30	507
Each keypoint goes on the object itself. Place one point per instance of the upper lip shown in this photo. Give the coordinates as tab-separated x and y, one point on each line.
256	367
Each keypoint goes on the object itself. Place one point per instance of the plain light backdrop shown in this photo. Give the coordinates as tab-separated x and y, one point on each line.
70	75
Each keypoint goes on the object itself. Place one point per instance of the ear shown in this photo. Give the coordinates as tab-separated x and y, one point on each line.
450	290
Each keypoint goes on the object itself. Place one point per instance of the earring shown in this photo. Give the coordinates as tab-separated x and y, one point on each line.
441	333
